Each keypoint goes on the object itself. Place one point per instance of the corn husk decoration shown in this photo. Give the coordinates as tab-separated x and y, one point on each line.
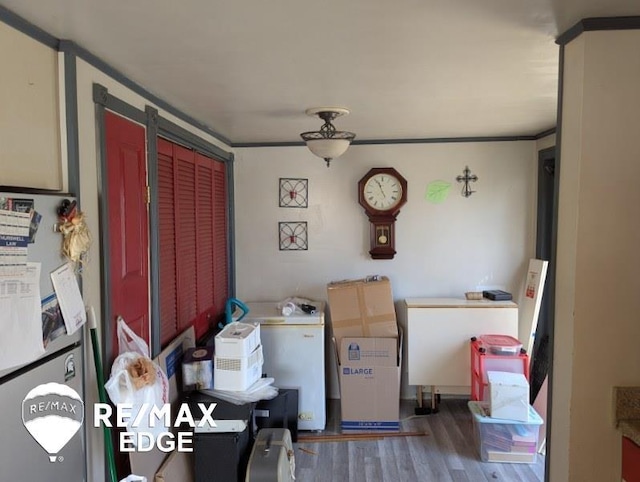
76	237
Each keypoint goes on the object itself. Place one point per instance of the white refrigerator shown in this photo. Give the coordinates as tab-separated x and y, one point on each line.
293	351
21	457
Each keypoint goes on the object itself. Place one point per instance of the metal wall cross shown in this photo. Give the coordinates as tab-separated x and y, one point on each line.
467	178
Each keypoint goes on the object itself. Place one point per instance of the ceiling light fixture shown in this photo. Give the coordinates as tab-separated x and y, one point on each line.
327	143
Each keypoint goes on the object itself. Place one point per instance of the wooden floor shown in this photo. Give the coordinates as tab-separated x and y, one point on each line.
447	453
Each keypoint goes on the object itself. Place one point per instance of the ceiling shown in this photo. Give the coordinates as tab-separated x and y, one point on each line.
407	69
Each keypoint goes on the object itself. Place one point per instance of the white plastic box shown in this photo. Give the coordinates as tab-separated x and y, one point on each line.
508	395
237	373
500	344
237	339
505	440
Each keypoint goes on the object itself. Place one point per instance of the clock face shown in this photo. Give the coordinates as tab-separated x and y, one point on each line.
382	192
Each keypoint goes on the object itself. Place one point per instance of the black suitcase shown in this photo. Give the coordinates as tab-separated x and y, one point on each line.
272	458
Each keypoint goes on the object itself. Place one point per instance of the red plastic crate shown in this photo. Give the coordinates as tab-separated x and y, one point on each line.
482	362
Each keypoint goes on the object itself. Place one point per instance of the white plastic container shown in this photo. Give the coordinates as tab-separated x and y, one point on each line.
507	441
237	339
237	373
500	344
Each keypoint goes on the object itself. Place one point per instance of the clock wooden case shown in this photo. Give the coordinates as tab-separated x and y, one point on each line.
382	192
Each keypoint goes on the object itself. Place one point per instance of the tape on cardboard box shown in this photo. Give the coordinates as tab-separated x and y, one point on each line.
362	307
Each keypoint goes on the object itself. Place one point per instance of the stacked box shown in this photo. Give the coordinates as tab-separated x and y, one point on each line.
362	308
238	357
501	440
508	396
370	383
369	346
237	373
237	339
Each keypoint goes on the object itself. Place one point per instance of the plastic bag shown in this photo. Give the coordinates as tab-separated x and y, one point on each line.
134	478
128	341
263	389
124	386
138	381
292	305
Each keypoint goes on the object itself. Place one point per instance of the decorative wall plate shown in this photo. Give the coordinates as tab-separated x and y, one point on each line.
293	235
294	192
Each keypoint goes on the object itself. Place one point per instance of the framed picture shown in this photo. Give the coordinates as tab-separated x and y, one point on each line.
293	235
294	192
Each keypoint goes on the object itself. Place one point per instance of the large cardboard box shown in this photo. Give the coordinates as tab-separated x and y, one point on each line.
146	464
177	467
370	383
362	308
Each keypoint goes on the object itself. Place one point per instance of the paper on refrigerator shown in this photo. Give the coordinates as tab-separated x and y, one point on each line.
20	318
67	290
14	237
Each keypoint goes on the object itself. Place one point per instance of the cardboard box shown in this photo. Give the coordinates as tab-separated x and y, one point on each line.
362	308
177	467
170	360
508	396
147	464
370	383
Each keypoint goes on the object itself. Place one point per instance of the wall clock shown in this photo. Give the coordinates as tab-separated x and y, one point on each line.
382	192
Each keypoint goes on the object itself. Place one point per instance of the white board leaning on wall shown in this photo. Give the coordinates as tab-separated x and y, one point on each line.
531	299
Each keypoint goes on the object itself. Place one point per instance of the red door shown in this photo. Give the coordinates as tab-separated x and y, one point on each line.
128	225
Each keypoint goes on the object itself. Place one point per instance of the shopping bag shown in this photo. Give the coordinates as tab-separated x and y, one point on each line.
134	478
128	341
138	382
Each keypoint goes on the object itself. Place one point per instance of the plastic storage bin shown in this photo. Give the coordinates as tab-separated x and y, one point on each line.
500	344
483	361
500	440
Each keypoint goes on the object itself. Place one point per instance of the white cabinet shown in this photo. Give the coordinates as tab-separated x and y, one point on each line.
438	335
29	113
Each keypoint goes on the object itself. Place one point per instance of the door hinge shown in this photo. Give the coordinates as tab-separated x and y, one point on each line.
148	195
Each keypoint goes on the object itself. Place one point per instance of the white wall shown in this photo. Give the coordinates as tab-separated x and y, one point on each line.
462	244
597	329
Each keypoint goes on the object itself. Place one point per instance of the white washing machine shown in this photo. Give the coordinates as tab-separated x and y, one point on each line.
293	351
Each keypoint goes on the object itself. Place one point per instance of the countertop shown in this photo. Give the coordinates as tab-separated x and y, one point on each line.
627	412
456	303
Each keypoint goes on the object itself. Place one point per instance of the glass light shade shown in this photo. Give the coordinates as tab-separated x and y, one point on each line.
328	148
